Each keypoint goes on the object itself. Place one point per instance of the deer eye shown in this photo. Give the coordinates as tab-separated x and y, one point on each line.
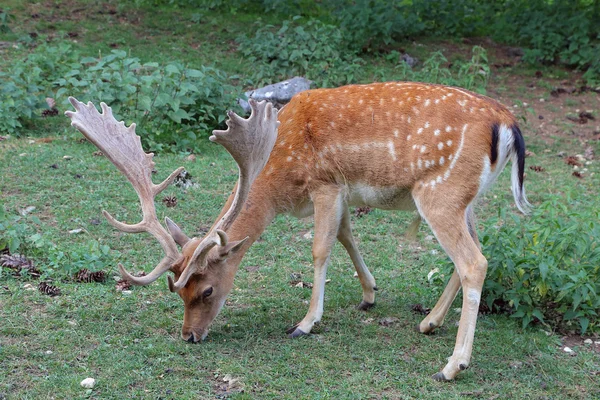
207	292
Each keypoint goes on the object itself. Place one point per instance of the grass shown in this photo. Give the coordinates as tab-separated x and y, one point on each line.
130	343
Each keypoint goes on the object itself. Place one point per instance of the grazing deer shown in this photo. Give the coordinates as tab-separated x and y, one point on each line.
394	146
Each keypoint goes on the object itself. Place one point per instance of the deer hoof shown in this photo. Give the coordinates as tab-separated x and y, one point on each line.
440	377
364	305
296	332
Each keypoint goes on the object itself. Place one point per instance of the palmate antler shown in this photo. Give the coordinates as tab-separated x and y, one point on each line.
249	142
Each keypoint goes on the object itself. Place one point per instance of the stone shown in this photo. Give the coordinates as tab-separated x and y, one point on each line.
278	94
88	383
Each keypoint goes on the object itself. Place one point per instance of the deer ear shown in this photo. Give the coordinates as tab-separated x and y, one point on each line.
176	232
230	249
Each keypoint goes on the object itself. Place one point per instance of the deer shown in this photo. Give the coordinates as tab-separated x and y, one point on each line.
393	146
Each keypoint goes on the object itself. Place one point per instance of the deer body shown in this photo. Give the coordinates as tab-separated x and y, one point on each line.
394	146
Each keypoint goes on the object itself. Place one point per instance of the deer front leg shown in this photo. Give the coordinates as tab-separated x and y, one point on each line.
329	207
364	275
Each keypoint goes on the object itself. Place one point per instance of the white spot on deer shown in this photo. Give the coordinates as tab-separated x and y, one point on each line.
423	149
305	146
282	143
412	166
270	170
393	99
392	150
415	146
432	183
419	131
448	128
426	125
427	102
443	97
449	94
458	151
442	160
472	109
405	169
290	146
440	145
381	101
289	159
419	163
436	132
449	143
388	114
450	156
462	102
427	163
396	132
415	110
360	101
482	109
332	124
439	179
408	120
293	153
446	175
408	137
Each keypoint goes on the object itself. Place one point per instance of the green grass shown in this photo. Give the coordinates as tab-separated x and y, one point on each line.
130	343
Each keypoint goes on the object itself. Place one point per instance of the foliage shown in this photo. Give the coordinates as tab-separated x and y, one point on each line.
545	268
17	233
314	49
170	104
472	75
24	86
5	18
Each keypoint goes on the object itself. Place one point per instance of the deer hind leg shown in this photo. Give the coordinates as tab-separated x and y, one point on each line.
329	208
364	275
451	229
436	317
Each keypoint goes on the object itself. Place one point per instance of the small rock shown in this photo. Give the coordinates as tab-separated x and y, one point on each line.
411	61
26	210
308	235
588	341
75	231
22	154
561	154
29	286
516	364
597	342
126	292
31	141
458	310
72	323
568	350
67	157
88	383
48	352
542	100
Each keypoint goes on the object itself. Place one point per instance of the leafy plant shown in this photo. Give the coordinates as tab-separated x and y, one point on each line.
314	49
545	268
64	264
24	86
16	232
472	75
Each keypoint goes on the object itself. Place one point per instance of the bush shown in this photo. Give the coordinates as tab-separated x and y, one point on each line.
315	50
25	85
170	104
544	268
472	75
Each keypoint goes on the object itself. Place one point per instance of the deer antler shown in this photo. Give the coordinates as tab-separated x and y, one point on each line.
123	148
250	142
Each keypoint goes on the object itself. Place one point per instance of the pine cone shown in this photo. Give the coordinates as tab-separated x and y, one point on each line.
537	168
170	201
86	276
48	289
50	113
18	263
123	285
361	211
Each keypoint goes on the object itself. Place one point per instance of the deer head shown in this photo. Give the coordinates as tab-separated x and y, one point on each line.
201	278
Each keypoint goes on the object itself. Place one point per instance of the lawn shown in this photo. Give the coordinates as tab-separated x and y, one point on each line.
129	340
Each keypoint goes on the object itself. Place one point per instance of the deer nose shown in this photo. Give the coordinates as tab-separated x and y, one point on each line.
191	339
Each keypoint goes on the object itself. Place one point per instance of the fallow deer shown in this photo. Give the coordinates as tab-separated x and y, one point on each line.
393	146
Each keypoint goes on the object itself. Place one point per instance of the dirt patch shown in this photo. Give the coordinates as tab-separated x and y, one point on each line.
578	343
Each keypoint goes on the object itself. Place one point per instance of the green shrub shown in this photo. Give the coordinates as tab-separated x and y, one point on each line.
17	233
315	50
25	85
472	75
171	104
545	267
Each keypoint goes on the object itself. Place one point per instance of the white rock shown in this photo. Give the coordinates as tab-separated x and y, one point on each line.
597	342
27	210
126	292
67	157
48	352
308	235
31	141
75	231
588	341
28	286
88	383
568	350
